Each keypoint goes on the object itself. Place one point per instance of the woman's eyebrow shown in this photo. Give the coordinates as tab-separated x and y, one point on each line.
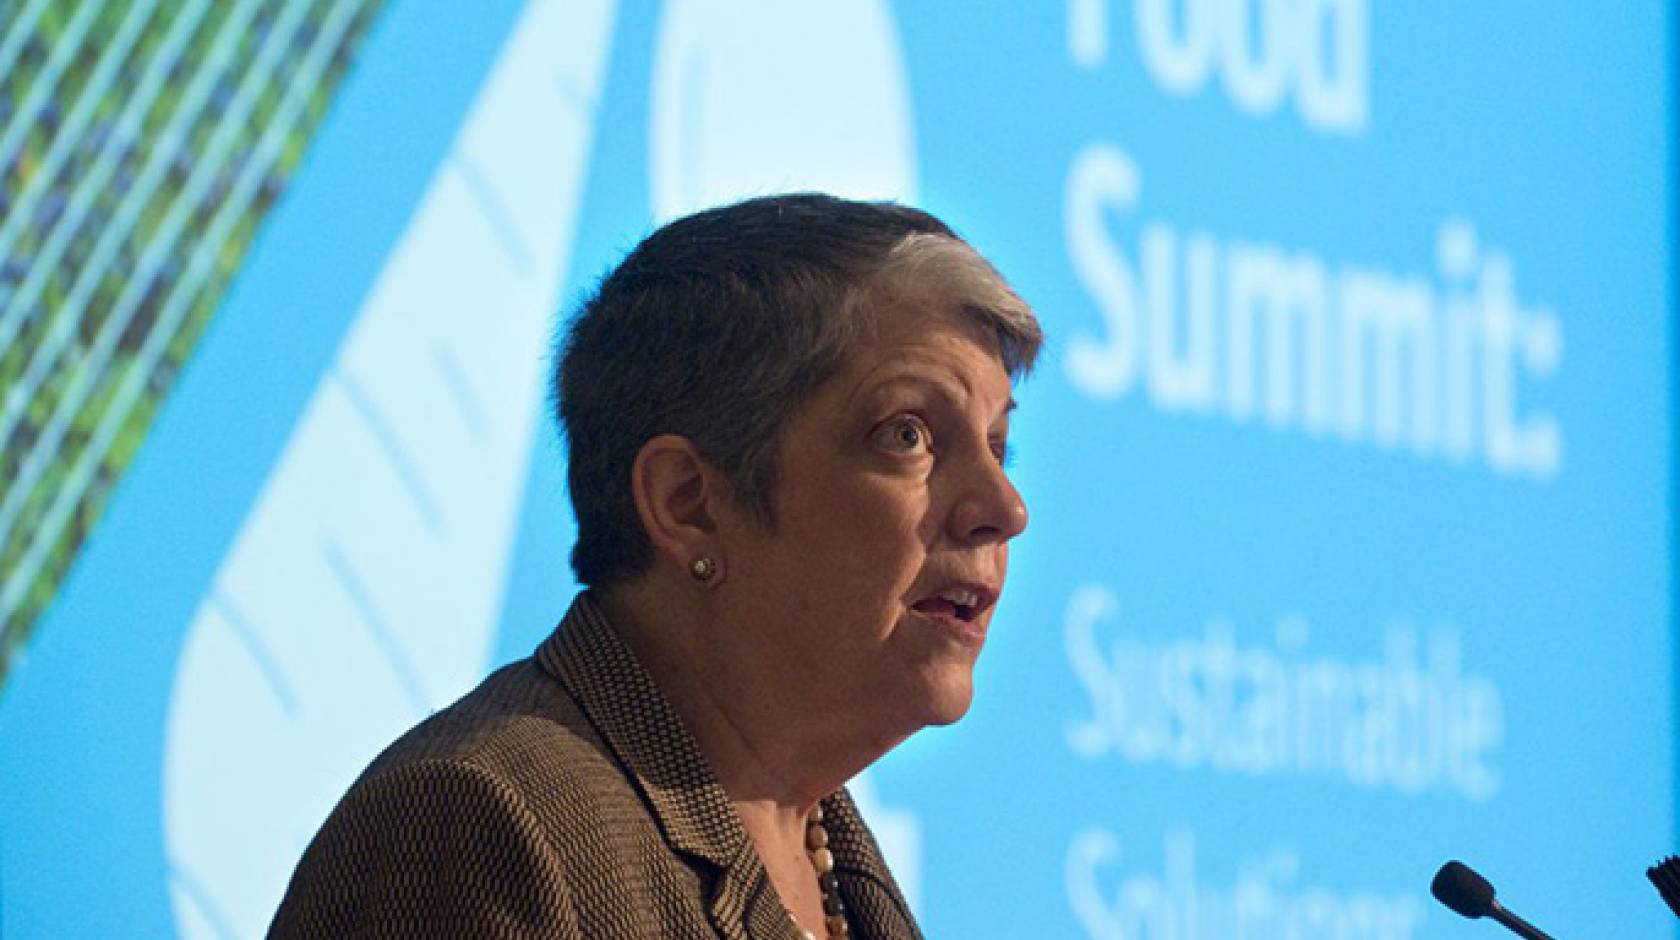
948	386
951	391
945	387
1001	422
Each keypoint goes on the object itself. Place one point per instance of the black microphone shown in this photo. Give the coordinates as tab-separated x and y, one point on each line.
1468	893
1666	876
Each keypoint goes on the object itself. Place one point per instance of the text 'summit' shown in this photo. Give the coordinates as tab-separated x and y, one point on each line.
1442	361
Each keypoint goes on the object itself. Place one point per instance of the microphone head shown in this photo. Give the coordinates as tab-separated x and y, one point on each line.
1463	890
1666	876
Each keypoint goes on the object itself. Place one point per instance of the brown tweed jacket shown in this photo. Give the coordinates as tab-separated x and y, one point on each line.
561	798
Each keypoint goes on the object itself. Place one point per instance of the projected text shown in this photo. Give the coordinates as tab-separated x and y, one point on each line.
1264	900
1254	332
1410	720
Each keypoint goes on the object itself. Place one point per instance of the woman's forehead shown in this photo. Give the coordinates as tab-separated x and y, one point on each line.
943	352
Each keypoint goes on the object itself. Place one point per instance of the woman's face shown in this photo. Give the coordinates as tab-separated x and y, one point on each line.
874	589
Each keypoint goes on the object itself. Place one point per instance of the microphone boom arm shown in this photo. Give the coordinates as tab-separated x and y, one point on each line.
1517	925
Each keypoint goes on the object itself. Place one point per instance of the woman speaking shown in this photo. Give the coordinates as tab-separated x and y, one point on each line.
786	423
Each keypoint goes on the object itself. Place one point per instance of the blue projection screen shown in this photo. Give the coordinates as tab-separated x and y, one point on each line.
1350	461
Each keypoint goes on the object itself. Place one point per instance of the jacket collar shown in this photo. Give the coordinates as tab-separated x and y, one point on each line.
619	697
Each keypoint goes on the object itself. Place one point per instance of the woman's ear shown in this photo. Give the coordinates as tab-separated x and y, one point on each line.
675	490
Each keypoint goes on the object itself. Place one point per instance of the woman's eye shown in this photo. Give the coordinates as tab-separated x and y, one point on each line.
1003	454
905	434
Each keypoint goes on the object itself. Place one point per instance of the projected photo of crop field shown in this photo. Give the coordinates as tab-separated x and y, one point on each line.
141	146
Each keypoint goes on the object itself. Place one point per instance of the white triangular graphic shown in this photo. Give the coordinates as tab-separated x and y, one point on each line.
364	588
758	96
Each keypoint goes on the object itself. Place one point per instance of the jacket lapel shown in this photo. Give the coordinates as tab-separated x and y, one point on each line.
875	906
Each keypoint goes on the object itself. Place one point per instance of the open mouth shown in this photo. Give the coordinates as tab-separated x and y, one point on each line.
962	603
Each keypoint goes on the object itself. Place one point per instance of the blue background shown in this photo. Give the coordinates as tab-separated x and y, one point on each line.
1550	127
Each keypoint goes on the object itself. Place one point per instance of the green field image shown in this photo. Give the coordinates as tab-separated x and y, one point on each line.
141	145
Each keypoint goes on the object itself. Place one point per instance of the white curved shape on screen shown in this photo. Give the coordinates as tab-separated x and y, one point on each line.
364	587
758	96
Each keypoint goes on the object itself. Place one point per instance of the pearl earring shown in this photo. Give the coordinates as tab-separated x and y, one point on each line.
703	569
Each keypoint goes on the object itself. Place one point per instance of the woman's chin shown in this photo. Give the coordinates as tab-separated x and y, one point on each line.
949	697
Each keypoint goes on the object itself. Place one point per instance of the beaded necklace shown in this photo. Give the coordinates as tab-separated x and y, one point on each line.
822	861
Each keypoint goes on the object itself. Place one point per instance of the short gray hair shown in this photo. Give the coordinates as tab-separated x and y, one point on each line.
719	326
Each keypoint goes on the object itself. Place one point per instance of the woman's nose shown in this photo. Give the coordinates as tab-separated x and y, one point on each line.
988	508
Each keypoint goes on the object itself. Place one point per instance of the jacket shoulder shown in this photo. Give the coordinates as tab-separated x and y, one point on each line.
428	845
519	726
507	804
